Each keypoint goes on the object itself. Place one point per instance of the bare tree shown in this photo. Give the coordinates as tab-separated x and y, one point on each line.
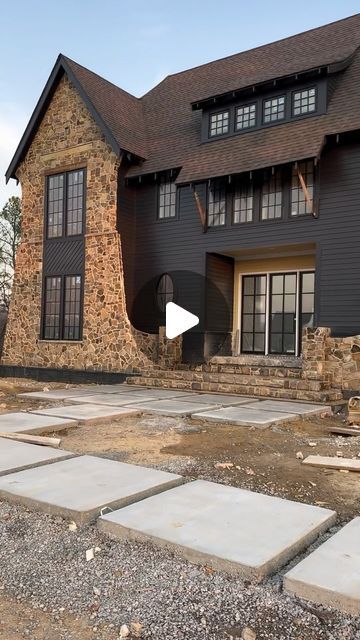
10	229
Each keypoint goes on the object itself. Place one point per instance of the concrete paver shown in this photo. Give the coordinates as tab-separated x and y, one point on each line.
243	416
68	394
15	456
287	406
221	399
113	399
81	487
172	407
29	423
89	413
330	575
228	528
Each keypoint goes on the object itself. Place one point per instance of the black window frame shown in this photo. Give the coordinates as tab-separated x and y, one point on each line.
62	337
298	189
243	189
65	207
254	103
278	177
308	112
167	294
222	133
166	180
216	185
272	99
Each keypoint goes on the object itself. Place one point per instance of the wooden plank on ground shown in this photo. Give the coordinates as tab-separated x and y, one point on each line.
347	431
31	439
349	464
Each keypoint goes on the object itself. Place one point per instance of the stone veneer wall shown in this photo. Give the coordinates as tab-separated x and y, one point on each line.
69	138
170	351
335	359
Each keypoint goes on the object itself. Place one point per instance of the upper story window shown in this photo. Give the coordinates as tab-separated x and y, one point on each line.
167	199
216	204
302	188
274	109
304	101
219	123
65	204
243	203
246	116
271	198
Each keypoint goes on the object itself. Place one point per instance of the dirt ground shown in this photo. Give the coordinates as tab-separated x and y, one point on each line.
260	460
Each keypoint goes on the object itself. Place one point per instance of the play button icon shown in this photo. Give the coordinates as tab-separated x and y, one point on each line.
178	320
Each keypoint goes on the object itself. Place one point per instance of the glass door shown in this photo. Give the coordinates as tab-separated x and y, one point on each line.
283	313
253	317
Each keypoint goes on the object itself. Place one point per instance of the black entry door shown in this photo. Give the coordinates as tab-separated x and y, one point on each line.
283	311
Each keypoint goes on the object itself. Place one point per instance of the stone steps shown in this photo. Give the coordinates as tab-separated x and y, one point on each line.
241	384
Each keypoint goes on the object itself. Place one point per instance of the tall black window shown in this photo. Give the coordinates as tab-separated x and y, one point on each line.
274	109
216	204
65	204
246	116
300	205
167	199
62	308
243	203
271	200
219	123
304	101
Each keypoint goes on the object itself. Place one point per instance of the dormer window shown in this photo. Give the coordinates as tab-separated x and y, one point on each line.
274	109
246	116
304	101
219	123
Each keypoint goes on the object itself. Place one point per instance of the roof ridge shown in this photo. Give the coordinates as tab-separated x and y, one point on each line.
261	46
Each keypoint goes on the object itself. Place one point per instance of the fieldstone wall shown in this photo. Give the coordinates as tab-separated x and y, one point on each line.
170	351
337	360
69	138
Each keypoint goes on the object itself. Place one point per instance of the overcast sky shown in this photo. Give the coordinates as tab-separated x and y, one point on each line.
135	45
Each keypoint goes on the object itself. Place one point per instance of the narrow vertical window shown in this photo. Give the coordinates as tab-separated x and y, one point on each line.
243	203
75	203
72	307
167	199
302	199
216	204
164	291
274	109
271	200
55	206
219	123
52	308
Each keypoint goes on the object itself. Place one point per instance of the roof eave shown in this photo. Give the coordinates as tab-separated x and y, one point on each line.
61	66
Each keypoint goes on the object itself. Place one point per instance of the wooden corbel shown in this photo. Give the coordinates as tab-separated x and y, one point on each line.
200	208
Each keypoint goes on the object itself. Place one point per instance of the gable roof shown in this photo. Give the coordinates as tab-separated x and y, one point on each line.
117	113
163	131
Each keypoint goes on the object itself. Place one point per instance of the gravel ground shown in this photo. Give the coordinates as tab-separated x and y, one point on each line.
43	564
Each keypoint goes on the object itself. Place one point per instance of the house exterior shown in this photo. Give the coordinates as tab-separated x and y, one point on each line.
232	189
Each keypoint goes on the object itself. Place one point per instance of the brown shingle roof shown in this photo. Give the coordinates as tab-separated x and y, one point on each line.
174	131
120	111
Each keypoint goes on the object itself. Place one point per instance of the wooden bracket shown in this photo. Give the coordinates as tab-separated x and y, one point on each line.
308	198
201	211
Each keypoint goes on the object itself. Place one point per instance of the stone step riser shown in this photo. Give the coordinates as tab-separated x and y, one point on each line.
324	395
234	370
273	383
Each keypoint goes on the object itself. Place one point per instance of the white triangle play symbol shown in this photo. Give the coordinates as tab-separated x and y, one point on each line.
178	320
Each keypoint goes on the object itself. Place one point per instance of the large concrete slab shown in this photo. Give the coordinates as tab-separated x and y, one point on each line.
29	423
349	464
160	394
299	408
331	574
15	456
67	394
81	487
221	399
173	407
228	528
89	413
113	399
244	417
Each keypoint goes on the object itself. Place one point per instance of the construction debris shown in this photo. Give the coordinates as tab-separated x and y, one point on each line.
346	431
300	455
354	410
224	465
344	464
31	439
